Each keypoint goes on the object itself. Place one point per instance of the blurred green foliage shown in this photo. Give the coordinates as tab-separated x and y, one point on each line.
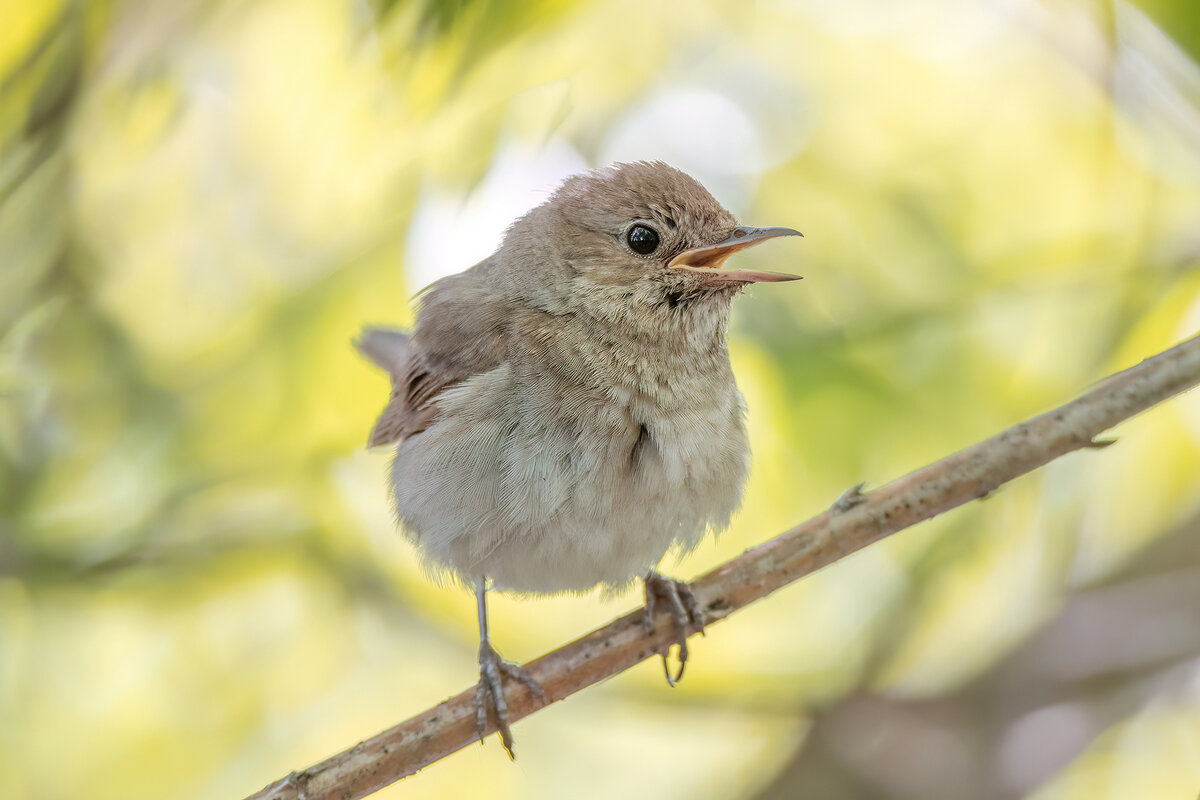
201	203
1176	18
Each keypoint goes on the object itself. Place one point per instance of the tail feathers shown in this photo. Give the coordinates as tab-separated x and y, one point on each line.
386	348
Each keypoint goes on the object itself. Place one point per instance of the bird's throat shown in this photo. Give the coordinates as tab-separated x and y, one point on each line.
695	295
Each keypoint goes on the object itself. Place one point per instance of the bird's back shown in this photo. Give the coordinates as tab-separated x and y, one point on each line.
461	331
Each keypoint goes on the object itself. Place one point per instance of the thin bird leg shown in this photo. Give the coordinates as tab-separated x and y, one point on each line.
490	691
685	612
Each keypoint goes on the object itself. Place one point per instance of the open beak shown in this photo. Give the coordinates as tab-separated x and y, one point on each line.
710	261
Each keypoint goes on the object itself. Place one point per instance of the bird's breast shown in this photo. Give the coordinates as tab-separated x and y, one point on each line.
553	475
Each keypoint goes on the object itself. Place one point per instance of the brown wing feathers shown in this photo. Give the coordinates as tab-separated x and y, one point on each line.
459	333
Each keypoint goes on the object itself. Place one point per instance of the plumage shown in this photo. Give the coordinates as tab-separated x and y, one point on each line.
564	412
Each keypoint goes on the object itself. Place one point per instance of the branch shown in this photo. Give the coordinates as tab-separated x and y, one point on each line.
854	522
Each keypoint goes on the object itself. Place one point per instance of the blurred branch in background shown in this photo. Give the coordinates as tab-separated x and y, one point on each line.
855	521
1112	651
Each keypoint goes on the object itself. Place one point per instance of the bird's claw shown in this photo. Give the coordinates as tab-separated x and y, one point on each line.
490	692
686	614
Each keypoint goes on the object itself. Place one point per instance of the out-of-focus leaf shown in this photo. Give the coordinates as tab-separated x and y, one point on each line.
1179	19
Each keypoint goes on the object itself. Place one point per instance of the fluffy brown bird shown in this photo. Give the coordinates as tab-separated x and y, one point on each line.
564	412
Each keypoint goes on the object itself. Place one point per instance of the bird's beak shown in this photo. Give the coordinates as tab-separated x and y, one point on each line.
710	261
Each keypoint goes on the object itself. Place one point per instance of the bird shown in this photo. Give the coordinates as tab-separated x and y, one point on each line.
565	412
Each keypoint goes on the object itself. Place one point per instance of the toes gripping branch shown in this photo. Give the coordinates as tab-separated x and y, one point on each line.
686	615
490	693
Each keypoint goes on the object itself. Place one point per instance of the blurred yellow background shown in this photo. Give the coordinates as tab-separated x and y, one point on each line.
201	203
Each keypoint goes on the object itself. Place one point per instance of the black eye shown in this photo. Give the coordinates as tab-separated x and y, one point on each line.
642	240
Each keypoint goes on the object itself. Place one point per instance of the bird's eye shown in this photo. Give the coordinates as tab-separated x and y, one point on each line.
642	240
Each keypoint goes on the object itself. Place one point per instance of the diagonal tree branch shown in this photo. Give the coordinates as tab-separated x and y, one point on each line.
852	523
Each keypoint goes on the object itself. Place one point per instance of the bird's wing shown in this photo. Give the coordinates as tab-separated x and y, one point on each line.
461	330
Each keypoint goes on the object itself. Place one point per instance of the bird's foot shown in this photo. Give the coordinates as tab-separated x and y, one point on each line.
490	692
685	612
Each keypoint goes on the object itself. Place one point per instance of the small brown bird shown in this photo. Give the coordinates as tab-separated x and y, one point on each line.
564	412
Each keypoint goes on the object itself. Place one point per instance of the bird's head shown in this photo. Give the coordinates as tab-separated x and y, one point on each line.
640	238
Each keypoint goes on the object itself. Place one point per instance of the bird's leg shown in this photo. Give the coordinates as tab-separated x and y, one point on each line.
492	668
685	612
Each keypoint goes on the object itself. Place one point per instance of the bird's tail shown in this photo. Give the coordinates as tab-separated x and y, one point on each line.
388	349
384	347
